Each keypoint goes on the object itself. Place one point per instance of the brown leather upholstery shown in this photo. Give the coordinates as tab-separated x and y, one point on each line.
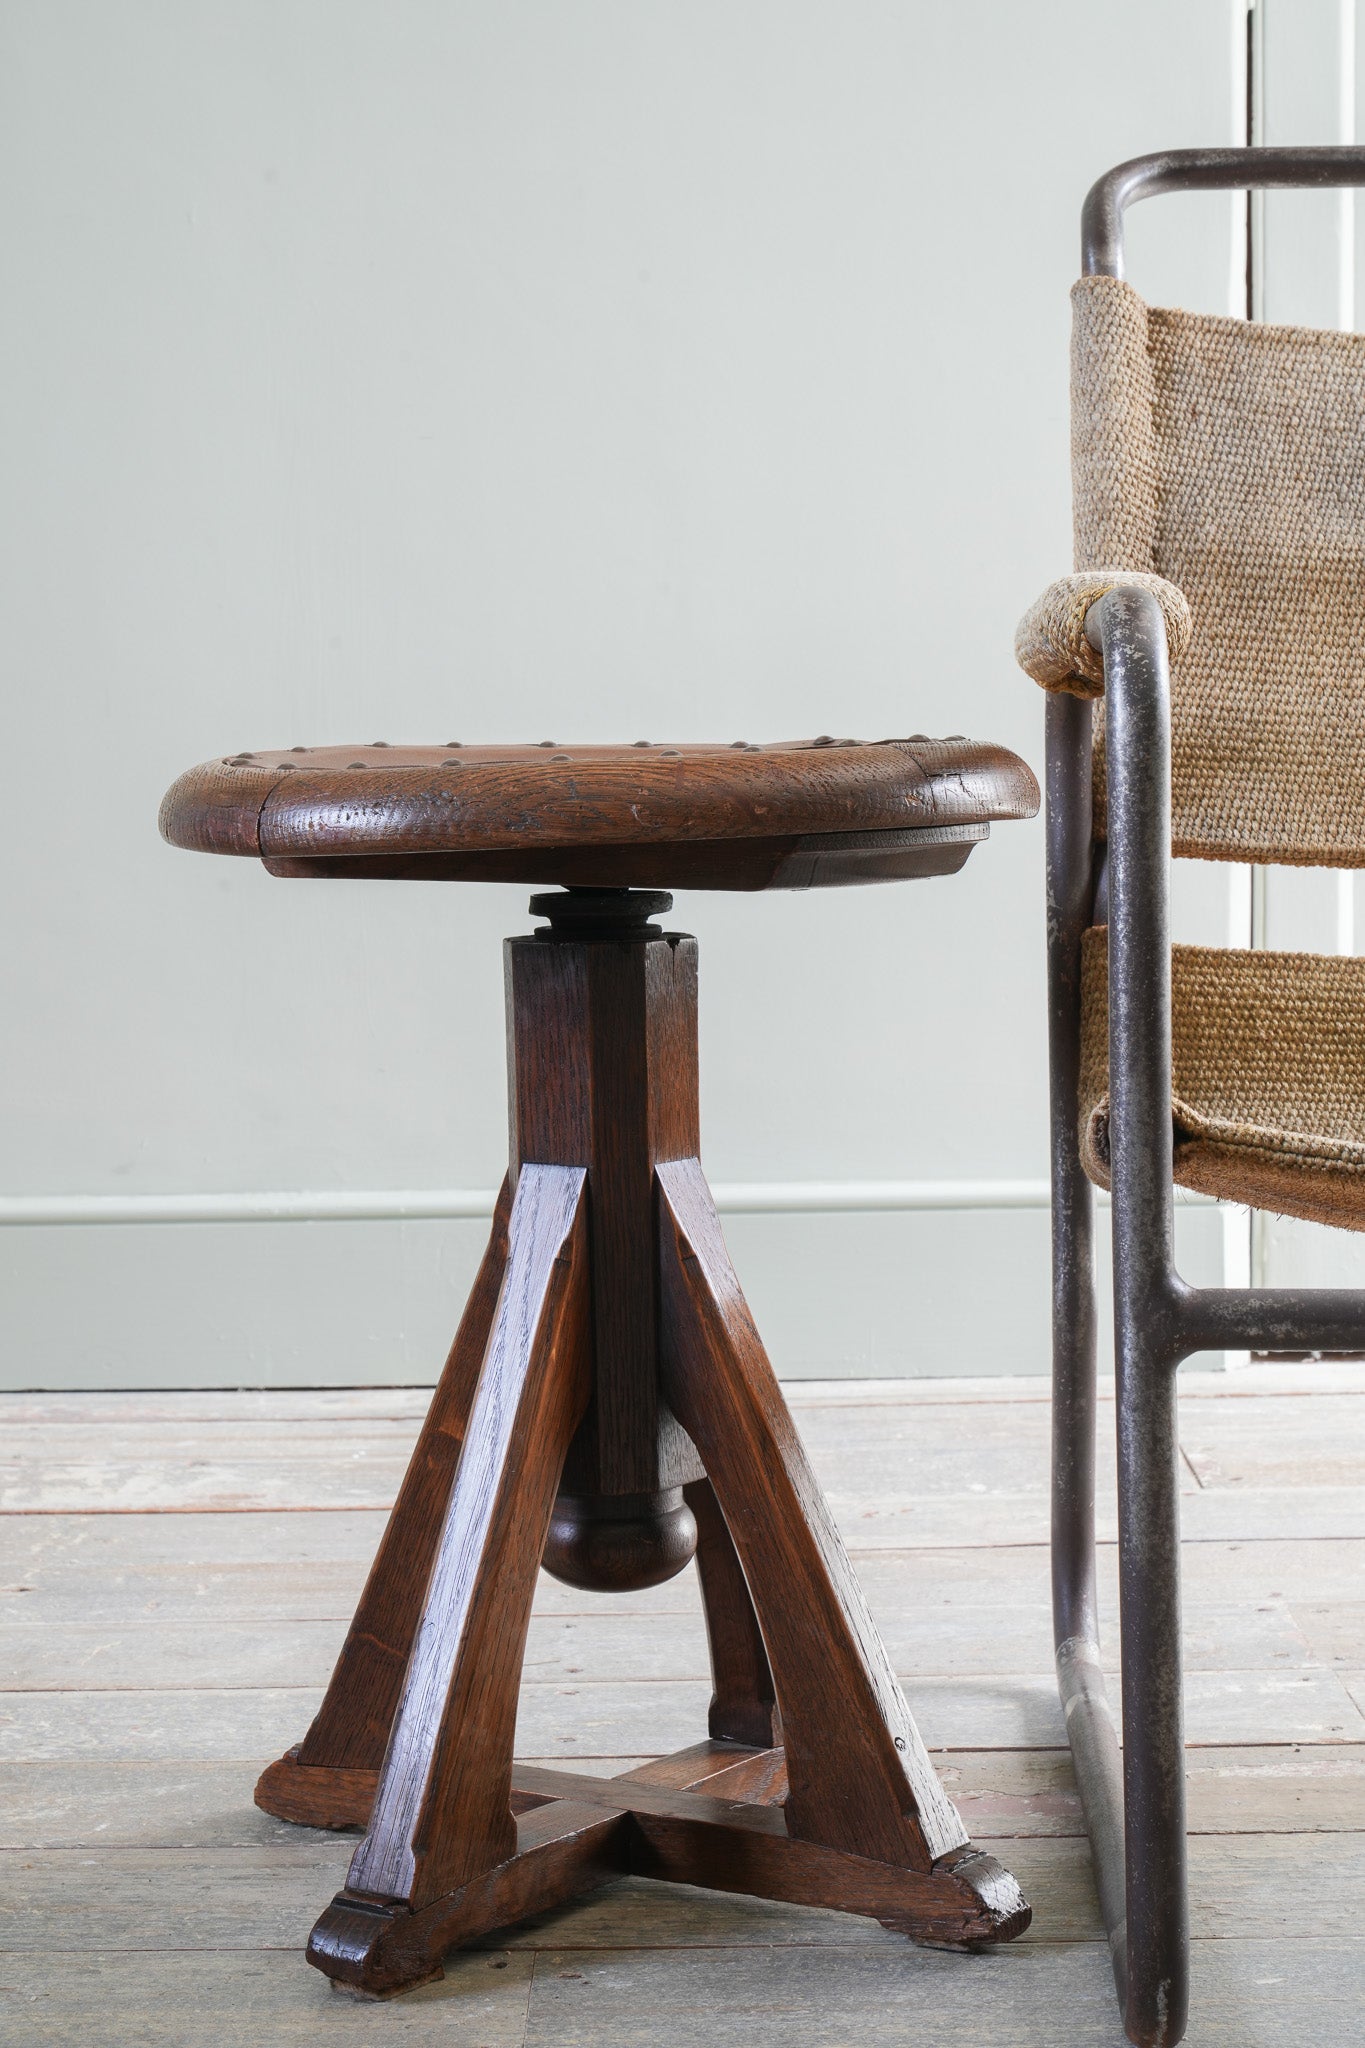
790	814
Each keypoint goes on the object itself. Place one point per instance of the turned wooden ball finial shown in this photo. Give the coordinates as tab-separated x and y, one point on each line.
621	1542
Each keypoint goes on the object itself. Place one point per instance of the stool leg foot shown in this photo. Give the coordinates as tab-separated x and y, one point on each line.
860	1778
375	1947
744	1703
442	1816
327	1780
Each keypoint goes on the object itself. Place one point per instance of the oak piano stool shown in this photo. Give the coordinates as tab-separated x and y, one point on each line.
607	1408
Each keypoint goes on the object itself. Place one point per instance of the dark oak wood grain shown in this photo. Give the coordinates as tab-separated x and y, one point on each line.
435	804
316	1795
967	1902
373	1947
744	1702
351	1728
860	1777
847	1812
964	1900
441	1813
606	1408
760	1776
620	1350
326	1797
815	860
683	1819
602	1073
704	1764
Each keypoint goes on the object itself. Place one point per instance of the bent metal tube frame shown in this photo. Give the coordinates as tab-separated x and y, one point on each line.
1134	1801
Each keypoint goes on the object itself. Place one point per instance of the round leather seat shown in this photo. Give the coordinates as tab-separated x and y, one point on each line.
789	814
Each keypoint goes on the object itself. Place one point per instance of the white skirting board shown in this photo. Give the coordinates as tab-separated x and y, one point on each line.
856	1291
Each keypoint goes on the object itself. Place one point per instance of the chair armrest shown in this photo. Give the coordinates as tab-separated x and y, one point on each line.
1051	645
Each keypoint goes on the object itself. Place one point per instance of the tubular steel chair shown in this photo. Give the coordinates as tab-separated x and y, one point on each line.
607	1405
1219	612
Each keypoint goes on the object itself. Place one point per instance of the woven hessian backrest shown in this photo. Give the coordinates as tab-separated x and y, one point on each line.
1229	457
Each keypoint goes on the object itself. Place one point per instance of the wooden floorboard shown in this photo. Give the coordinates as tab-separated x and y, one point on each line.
1290	1788
976	1636
1251	1994
175	1575
1011	1711
267	1894
107	1536
82	1571
206	1998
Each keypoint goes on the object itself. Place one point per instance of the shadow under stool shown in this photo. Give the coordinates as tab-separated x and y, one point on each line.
607	1408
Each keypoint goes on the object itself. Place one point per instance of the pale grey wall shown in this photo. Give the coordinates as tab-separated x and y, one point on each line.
425	371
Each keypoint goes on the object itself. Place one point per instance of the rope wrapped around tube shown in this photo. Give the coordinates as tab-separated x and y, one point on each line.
1050	643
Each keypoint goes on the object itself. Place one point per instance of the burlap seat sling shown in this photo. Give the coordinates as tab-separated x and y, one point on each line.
1228	460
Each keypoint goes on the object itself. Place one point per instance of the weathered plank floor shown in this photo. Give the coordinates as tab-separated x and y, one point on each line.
175	1575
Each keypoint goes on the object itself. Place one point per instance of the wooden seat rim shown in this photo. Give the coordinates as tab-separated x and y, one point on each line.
411	800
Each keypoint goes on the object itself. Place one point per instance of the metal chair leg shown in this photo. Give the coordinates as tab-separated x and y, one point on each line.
1080	1678
1134	1807
1156	2005
1149	1300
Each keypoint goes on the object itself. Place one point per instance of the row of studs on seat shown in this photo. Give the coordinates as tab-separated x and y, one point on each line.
665	753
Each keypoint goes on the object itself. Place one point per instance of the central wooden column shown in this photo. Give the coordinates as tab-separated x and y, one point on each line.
602	1073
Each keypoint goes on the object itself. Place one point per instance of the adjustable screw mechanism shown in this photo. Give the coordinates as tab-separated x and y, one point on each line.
601	913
